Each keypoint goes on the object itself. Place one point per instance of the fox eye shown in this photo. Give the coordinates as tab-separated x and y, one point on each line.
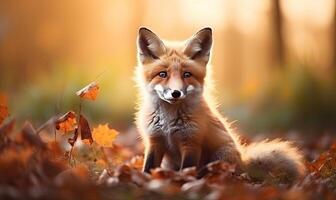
186	75
163	74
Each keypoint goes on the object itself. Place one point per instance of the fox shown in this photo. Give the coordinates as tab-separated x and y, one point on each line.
181	126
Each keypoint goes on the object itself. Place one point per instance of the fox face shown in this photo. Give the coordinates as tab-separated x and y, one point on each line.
174	72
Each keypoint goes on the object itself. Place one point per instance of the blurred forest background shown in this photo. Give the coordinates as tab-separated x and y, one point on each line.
274	61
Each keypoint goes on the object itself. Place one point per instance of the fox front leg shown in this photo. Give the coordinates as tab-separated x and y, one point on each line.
190	157
153	157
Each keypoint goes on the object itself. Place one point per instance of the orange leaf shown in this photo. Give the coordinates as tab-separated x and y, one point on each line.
3	107
89	92
67	122
104	136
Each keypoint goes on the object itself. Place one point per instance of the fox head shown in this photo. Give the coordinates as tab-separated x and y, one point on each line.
174	72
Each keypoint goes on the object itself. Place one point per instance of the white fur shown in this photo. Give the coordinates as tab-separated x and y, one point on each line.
158	88
190	88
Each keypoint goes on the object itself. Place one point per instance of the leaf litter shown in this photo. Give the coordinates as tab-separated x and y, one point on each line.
31	168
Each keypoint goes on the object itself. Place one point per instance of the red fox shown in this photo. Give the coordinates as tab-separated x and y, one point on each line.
179	124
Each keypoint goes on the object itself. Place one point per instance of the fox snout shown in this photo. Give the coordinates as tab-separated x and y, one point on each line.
170	95
173	95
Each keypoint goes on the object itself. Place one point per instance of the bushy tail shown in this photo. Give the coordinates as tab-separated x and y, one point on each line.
273	161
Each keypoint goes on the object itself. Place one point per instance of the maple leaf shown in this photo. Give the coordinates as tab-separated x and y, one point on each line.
67	122
3	108
104	136
89	92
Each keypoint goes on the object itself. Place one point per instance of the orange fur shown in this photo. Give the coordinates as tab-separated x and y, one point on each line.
188	130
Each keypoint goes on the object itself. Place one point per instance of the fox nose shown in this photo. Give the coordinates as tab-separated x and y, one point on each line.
176	94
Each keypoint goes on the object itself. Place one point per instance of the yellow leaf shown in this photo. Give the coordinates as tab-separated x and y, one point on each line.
104	136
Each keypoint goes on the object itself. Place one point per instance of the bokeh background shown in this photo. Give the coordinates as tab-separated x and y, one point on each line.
274	60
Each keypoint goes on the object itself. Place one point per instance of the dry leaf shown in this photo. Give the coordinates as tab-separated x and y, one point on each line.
136	162
325	165
85	130
123	173
159	173
67	122
29	135
55	149
73	140
7	128
104	136
3	108
89	92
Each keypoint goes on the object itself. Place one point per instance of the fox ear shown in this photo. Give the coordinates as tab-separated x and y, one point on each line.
150	47
199	45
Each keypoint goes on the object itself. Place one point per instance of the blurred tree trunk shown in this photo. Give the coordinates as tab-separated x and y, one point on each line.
276	22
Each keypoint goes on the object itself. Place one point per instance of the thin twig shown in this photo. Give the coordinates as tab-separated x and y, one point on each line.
46	124
100	75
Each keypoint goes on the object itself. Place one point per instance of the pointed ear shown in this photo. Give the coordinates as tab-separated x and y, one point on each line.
199	45
150	47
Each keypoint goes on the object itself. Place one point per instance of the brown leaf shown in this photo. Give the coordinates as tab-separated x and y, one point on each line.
5	131
195	186
117	154
73	140
55	149
123	173
136	162
159	173
3	107
103	177
79	174
85	130
325	165
12	161
190	171
7	128
29	135
139	178
89	92
67	122
164	186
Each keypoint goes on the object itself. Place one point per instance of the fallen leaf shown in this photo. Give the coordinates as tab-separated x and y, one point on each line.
103	177
5	132
136	162
118	154
89	92
73	140
104	136
79	173
55	149
159	173
3	107
85	130
67	122
325	165
29	135
123	173
7	128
